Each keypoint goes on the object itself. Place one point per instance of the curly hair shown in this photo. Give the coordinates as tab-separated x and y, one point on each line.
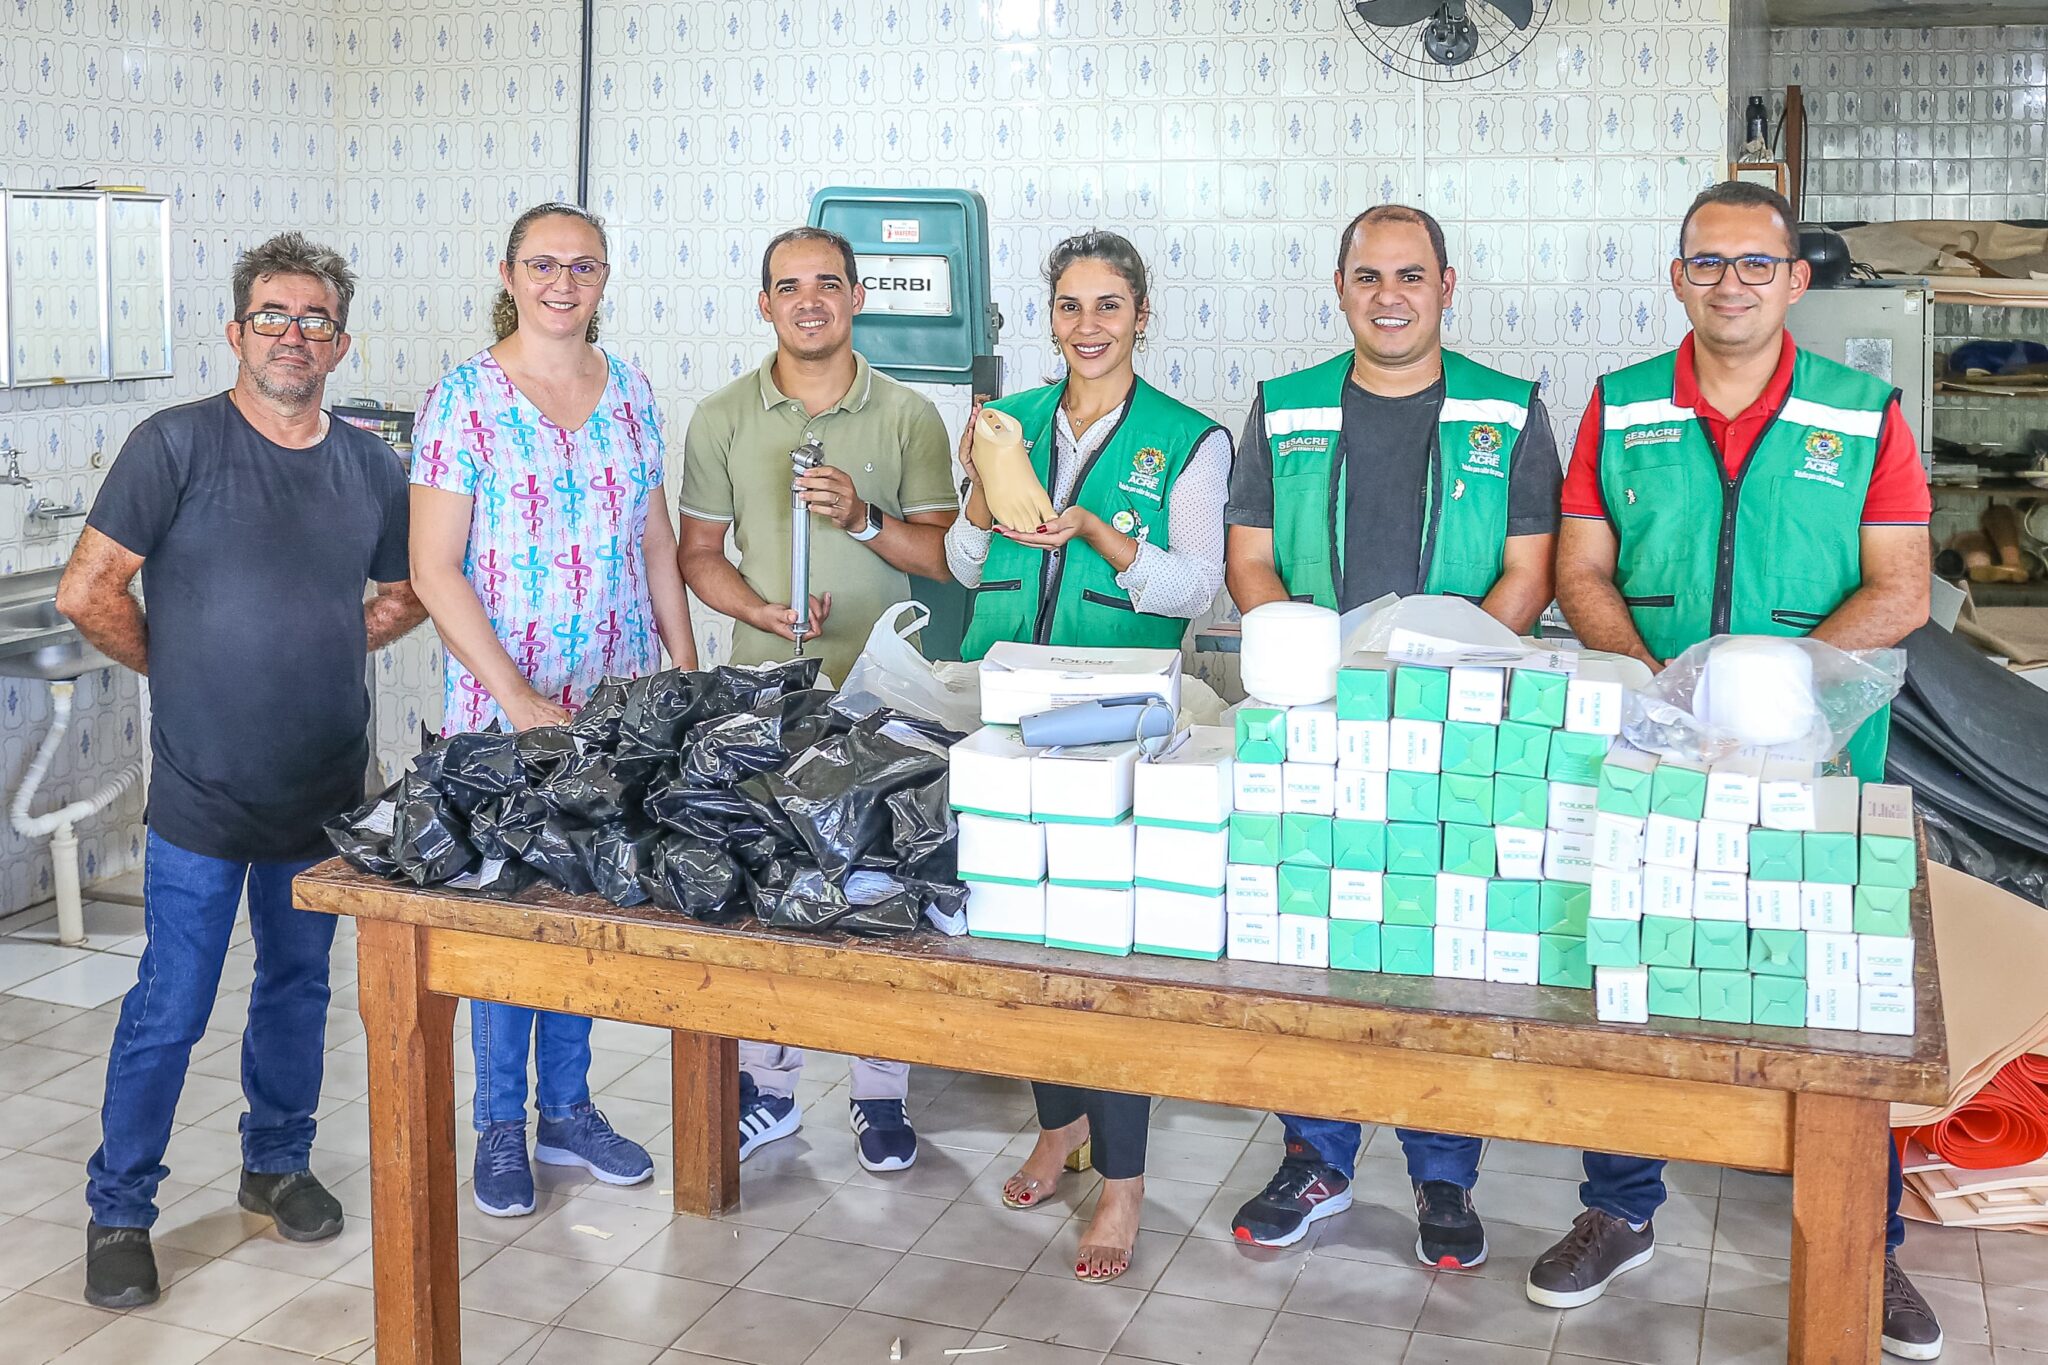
504	312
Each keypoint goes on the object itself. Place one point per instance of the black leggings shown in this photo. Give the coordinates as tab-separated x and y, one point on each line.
1117	1124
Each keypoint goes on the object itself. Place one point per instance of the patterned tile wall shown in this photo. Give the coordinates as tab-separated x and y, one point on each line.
230	110
1920	123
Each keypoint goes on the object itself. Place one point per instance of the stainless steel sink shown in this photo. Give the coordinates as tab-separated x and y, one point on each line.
35	641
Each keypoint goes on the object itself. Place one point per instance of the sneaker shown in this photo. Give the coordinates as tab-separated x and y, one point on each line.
297	1202
1303	1190
1449	1234
764	1118
120	1269
588	1140
1599	1247
503	1186
883	1138
1910	1329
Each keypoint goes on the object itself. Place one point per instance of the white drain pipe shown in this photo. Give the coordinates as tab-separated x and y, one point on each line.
56	825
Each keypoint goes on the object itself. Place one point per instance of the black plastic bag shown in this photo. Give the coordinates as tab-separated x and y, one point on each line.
478	764
588	793
734	688
658	710
560	851
427	835
813	902
694	877
836	794
545	751
597	723
363	836
501	825
706	812
922	833
620	854
720	753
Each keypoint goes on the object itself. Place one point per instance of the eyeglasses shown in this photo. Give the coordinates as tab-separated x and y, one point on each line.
1709	270
584	271
312	326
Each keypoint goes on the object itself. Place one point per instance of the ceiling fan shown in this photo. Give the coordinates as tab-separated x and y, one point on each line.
1446	40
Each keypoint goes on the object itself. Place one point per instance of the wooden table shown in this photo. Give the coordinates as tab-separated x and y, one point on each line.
1454	1056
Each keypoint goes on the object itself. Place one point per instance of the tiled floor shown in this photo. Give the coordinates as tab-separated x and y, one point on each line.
826	1263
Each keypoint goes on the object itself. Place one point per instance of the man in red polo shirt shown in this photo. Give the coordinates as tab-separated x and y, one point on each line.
1804	513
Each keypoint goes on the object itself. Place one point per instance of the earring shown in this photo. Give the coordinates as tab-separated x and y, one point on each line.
1141	341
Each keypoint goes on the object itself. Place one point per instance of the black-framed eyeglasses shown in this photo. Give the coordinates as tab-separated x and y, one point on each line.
312	326
586	271
1709	270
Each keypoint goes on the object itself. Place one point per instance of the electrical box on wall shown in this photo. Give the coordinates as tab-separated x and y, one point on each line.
923	260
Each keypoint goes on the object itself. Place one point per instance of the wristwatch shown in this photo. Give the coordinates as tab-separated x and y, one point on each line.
874	526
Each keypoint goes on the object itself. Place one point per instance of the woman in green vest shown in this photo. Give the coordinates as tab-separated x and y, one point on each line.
1134	550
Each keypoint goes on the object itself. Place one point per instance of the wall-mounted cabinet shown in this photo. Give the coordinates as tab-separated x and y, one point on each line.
85	287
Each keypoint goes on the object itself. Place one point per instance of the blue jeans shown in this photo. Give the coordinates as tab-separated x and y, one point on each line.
1632	1188
502	1037
1431	1156
188	913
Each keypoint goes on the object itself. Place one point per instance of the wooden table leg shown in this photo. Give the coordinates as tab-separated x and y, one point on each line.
706	1079
410	1032
1838	1185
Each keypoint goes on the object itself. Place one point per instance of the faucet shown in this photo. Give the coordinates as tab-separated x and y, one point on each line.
13	476
42	509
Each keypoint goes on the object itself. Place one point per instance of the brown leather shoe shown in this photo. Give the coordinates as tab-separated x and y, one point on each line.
1599	1247
1910	1329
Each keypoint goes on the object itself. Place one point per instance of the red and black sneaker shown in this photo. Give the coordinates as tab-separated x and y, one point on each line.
1448	1234
1305	1188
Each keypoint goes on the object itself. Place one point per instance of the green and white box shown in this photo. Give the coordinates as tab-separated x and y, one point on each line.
1885	1009
1776	855
1512	959
1464	799
1460	901
1101	855
1593	697
1675	992
1827	907
1362	744
1785	794
1777	952
1721	945
1413	797
1312	733
1354	945
1572	808
1407	949
1195	861
1884	910
1088	784
1618	841
1732	789
1460	953
1614	942
1306	839
1252	936
1514	907
1724	996
1365	688
1678	789
1359	845
1625	778
999	910
1667	942
1523	802
1304	891
1536	697
1724	847
1521	750
1308	788
1621	995
1257	787
1667	891
1832	957
989	773
1261	732
1779	1001
1518	853
1252	889
1255	838
999	850
1469	850
1721	896
1422	692
1414	848
1361	794
1831	1004
1357	895
1478	694
1576	760
1090	919
1773	905
1177	924
1415	746
1408	900
1567	857
1829	856
1561	961
1671	842
1304	941
1889	857
1616	895
1566	906
1469	748
1189	784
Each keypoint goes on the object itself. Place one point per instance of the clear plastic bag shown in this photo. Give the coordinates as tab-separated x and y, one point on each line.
1791	696
891	672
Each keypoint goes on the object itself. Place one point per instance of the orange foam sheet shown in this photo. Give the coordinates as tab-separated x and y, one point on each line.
2004	1124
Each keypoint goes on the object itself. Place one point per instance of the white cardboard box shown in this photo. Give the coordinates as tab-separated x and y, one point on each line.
1732	789
1460	901
1511	958
989	773
1253	889
1618	841
1304	940
1308	788
1831	957
1593	697
1415	746
1885	1009
1721	895
1724	847
1461	953
1773	905
1084	783
1837	801
1616	895
1361	794
1573	809
995	910
1887	810
1827	907
1567	857
1882	960
1254	935
1621	995
1667	891
1312	733
1190	783
1195	860
1518	853
1362	744
1092	855
1478	693
1095	920
1001	850
1178	924
1831	1004
1019	680
1258	787
1671	842
1785	795
1356	895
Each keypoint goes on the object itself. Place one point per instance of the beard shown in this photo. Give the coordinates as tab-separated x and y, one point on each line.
289	387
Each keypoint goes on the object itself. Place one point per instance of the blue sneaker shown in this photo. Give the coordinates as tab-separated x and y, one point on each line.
585	1139
764	1118
883	1137
504	1180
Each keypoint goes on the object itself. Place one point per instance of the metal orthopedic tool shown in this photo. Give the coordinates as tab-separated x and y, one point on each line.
802	460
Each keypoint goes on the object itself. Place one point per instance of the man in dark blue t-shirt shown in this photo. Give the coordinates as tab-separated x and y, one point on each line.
256	523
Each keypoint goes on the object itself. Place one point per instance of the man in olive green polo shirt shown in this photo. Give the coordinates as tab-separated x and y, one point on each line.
881	502
880	506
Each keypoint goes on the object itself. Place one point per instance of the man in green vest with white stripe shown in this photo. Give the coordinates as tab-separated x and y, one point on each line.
1401	467
1804	513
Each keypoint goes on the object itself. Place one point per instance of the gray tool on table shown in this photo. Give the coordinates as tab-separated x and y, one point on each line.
802	460
1100	720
